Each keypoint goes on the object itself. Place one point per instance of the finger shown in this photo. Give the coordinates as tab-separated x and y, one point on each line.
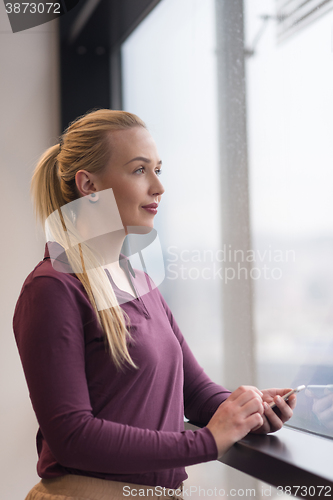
282	392
276	391
254	388
264	428
270	394
285	409
247	395
246	388
275	422
292	401
255	421
253	406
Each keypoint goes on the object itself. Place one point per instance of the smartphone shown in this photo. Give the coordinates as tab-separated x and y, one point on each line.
286	396
320	391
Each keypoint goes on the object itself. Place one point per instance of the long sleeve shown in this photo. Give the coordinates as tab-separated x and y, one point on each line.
52	325
201	395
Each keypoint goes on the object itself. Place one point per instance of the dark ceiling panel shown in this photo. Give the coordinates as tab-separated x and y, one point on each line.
129	13
111	21
88	35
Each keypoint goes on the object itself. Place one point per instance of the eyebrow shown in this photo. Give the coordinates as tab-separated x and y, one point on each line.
142	158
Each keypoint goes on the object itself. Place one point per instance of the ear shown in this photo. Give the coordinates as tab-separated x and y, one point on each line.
85	182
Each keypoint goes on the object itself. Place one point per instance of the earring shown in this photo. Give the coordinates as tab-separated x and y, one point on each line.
93	197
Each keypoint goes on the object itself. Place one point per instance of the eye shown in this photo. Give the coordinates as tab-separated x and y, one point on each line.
140	170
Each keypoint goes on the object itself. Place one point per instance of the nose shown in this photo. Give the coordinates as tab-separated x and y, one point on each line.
156	187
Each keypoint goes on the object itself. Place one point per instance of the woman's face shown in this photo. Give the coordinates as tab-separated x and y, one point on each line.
133	174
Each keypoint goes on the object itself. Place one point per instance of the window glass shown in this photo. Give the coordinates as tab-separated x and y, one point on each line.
289	116
170	80
169	75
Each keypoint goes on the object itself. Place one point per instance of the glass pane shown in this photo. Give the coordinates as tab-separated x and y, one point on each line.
169	75
290	103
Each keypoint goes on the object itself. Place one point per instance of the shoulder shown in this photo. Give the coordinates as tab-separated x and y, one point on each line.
51	306
46	289
45	278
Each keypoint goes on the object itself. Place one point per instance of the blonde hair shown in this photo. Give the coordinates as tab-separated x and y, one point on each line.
84	146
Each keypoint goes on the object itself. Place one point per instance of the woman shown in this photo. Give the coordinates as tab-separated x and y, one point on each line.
112	419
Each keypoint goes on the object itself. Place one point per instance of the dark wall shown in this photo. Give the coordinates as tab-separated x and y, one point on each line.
87	76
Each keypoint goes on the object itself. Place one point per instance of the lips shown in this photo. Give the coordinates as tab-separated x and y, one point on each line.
151	208
151	205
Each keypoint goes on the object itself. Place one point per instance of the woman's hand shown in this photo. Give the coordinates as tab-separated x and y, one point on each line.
274	420
241	412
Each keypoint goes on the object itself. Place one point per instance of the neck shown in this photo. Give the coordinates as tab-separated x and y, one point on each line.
108	247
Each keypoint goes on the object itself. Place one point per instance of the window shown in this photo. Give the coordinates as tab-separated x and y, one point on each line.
172	76
290	102
169	75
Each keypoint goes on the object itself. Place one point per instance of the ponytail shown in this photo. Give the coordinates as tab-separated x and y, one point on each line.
45	184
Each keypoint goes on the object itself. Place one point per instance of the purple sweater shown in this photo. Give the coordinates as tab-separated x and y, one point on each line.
94	420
